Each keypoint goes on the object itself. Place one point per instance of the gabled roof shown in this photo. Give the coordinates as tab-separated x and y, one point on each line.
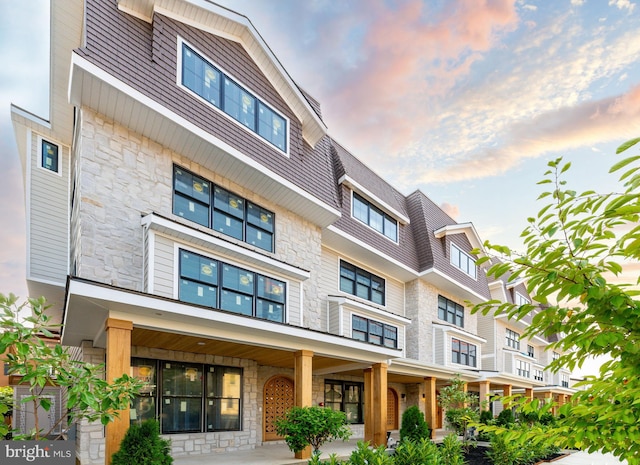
215	19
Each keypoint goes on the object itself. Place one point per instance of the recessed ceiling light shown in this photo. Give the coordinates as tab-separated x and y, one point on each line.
201	343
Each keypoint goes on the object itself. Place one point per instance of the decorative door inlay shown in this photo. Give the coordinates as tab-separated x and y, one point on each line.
278	398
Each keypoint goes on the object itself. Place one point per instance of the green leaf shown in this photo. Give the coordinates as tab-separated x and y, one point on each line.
628	144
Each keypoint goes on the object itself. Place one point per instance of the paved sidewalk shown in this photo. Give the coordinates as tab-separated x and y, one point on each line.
583	458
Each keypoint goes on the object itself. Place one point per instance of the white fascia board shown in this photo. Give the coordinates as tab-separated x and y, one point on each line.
466	228
153	222
340	300
459	332
355	186
426	273
79	64
29	117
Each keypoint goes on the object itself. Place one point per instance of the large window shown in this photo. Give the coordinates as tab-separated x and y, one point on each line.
204	79
216	284
463	353
361	283
190	397
347	397
564	381
461	260
450	311
198	200
374	332
521	300
523	368
374	217
512	339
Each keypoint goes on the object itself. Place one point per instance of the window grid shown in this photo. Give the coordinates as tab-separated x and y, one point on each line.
347	397
198	200
450	311
361	283
564	381
374	332
538	375
512	339
204	79
375	218
462	261
463	353
216	284
523	368
530	351
521	300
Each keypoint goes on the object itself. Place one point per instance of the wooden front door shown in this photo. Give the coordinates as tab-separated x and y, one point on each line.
278	398
392	409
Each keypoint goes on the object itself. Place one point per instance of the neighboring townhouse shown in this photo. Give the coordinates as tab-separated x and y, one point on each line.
193	223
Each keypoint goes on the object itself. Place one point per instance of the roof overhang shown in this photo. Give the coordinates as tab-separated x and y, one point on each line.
446	283
88	305
378	202
504	379
462	228
91	86
410	370
215	19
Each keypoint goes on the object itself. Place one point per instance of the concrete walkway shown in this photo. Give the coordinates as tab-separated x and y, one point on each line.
279	454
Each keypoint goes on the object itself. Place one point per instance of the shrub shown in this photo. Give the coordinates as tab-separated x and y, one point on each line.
451	452
142	445
423	452
414	426
365	455
505	418
312	426
486	417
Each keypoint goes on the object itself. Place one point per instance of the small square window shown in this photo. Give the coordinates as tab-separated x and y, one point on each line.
49	157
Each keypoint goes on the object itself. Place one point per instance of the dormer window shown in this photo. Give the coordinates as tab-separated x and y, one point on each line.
218	89
464	262
521	300
375	218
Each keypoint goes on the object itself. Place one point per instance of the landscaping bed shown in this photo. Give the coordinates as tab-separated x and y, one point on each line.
478	456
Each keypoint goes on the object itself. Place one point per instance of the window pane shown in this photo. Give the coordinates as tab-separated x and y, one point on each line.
269	310
239	104
227	224
271	289
238	303
198	268
223	414
192	186
196	293
49	156
376	219
390	228
259	238
181	414
191	210
181	379
360	209
229	203
237	279
259	217
272	127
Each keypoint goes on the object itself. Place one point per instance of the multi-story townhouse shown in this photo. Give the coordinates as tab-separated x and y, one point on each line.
193	223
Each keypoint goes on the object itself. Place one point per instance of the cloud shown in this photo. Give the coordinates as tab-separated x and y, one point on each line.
623	5
452	210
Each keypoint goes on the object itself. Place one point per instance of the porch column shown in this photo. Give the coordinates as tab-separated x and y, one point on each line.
118	361
484	394
368	405
548	397
430	404
528	393
506	392
303	388
379	404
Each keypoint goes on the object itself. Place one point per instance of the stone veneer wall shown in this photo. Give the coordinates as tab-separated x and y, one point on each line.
193	444
124	175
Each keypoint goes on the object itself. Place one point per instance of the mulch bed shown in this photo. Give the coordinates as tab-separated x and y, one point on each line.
478	456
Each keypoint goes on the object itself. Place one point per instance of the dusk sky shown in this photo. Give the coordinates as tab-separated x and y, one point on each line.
465	100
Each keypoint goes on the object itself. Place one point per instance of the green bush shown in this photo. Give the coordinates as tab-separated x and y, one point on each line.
451	451
365	455
423	452
513	448
142	445
505	418
414	426
312	426
486	417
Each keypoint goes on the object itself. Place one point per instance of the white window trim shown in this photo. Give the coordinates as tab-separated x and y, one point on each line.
462	339
462	252
521	300
240	82
60	157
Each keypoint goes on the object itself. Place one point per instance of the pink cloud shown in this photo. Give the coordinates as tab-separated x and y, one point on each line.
452	210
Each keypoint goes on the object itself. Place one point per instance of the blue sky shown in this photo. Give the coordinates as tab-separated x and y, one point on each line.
466	100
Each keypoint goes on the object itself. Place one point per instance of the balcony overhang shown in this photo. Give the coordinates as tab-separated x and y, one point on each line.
91	86
88	304
414	371
448	284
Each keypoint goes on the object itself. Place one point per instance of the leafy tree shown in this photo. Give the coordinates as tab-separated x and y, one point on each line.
142	445
461	407
40	363
312	426
414	427
574	246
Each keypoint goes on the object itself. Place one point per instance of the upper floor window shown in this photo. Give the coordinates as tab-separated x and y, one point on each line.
463	353
523	368
512	339
461	260
374	332
564	381
530	350
538	375
347	397
218	89
49	156
216	284
361	283
450	311
198	200
555	356
521	300
374	217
